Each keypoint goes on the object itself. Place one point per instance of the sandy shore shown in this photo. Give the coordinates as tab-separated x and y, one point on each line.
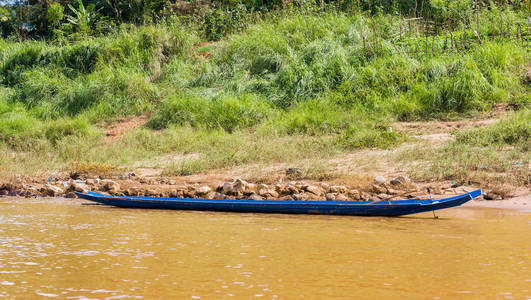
522	203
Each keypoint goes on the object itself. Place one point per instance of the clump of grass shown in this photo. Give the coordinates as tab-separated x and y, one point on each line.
89	169
61	128
18	128
184	167
512	130
224	112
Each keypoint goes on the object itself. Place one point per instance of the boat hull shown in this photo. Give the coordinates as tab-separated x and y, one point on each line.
358	208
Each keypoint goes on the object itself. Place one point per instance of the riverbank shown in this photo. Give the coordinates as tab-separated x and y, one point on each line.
520	203
332	96
295	168
285	188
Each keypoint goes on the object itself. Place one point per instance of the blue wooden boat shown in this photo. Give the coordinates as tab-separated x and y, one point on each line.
358	208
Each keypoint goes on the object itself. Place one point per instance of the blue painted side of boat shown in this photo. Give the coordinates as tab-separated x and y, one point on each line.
359	208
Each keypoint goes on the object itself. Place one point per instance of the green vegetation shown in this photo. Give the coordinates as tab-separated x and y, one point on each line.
276	84
514	130
497	155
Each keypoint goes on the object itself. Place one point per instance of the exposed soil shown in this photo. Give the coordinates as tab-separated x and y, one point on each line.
114	130
441	126
434	127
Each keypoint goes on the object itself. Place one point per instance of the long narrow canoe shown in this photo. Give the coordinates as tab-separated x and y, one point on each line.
359	208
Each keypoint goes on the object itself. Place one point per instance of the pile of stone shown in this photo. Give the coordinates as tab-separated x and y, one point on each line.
292	190
380	189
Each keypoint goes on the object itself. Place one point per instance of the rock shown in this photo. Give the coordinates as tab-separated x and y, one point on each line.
8	187
300	196
492	196
354	194
71	195
379	180
150	192
51	190
365	196
239	186
330	196
383	196
400	180
313	189
379	189
268	193
203	190
312	196
78	187
176	193
262	186
210	195
90	181
227	187
251	188
273	193
131	192
218	195
341	197
325	186
286	198
4	192
338	189
190	193
283	190
294	171
292	188
110	186
255	197
232	188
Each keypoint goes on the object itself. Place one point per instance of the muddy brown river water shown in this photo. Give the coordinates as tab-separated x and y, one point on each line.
64	249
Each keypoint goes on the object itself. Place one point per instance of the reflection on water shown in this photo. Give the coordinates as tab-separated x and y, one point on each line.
62	249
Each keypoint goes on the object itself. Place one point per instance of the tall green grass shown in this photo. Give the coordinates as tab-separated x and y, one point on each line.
224	112
116	74
329	74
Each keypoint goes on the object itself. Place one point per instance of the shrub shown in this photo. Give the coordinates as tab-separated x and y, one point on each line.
58	129
225	112
18	127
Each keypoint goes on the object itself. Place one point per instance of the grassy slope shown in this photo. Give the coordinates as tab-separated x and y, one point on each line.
287	88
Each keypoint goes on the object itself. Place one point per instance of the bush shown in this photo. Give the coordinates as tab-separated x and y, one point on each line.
225	112
17	127
61	128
